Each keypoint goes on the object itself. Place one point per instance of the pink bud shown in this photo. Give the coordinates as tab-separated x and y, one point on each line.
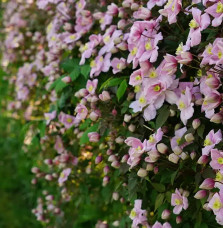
93	137
112	158
105	96
49	177
66	79
200	194
125	158
132	127
109	152
192	155
106	170
217	118
98	159
121	24
165	214
106	179
149	167
156	170
115	164
213	82
207	184
114	112
189	137
203	160
115	196
178	219
134	6
127	118
35	170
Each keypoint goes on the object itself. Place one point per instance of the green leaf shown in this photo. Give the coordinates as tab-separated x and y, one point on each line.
84	138
163	116
85	70
121	90
200	130
68	65
112	82
159	187
42	128
173	176
159	200
75	73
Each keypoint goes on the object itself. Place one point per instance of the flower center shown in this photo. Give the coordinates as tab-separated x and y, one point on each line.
207	142
134	51
217	204
157	88
151	139
193	24
182	105
106	39
178	140
219	8
69	120
178	201
93	64
137	88
153	74
142	100
90	88
220	161
138	77
219	176
133	214
219	54
148	46
209	50
72	37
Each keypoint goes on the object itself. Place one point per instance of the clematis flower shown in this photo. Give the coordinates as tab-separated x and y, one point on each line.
81	111
68	121
179	202
64	176
197	24
216	11
59	147
186	106
210	141
216	159
137	215
50	116
152	3
92	86
136	78
154	139
171	9
118	65
93	137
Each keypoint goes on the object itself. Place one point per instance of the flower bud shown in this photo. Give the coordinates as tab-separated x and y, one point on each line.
217	118
184	156
114	112
115	164
112	158
105	96
206	207
134	6
207	184
172	113
196	123
142	172
93	116
35	170
106	179
189	137
192	155
162	148
173	158
125	158
200	194
109	152
178	219
165	214
149	167
106	170
156	170
177	150
213	82
98	159
119	140
49	177
66	79
132	127
93	137
127	118
115	196
121	24
203	160
177	126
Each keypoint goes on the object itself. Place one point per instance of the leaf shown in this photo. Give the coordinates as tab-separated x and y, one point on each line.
84	138
42	128
159	187
162	117
75	73
173	176
85	70
121	90
159	201
60	85
112	82
200	130
68	65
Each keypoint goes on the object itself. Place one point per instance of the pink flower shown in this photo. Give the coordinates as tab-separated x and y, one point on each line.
210	141
179	202
92	86
136	78
118	65
217	159
216	11
184	57
68	121
50	116
64	175
171	9
154	139
59	147
185	106
169	64
72	38
175	141
207	184
138	215
105	96
152	3
197	24
93	137
81	111
112	9
216	204
142	13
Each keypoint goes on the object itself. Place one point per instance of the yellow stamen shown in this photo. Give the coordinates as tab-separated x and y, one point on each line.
220	161
157	88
